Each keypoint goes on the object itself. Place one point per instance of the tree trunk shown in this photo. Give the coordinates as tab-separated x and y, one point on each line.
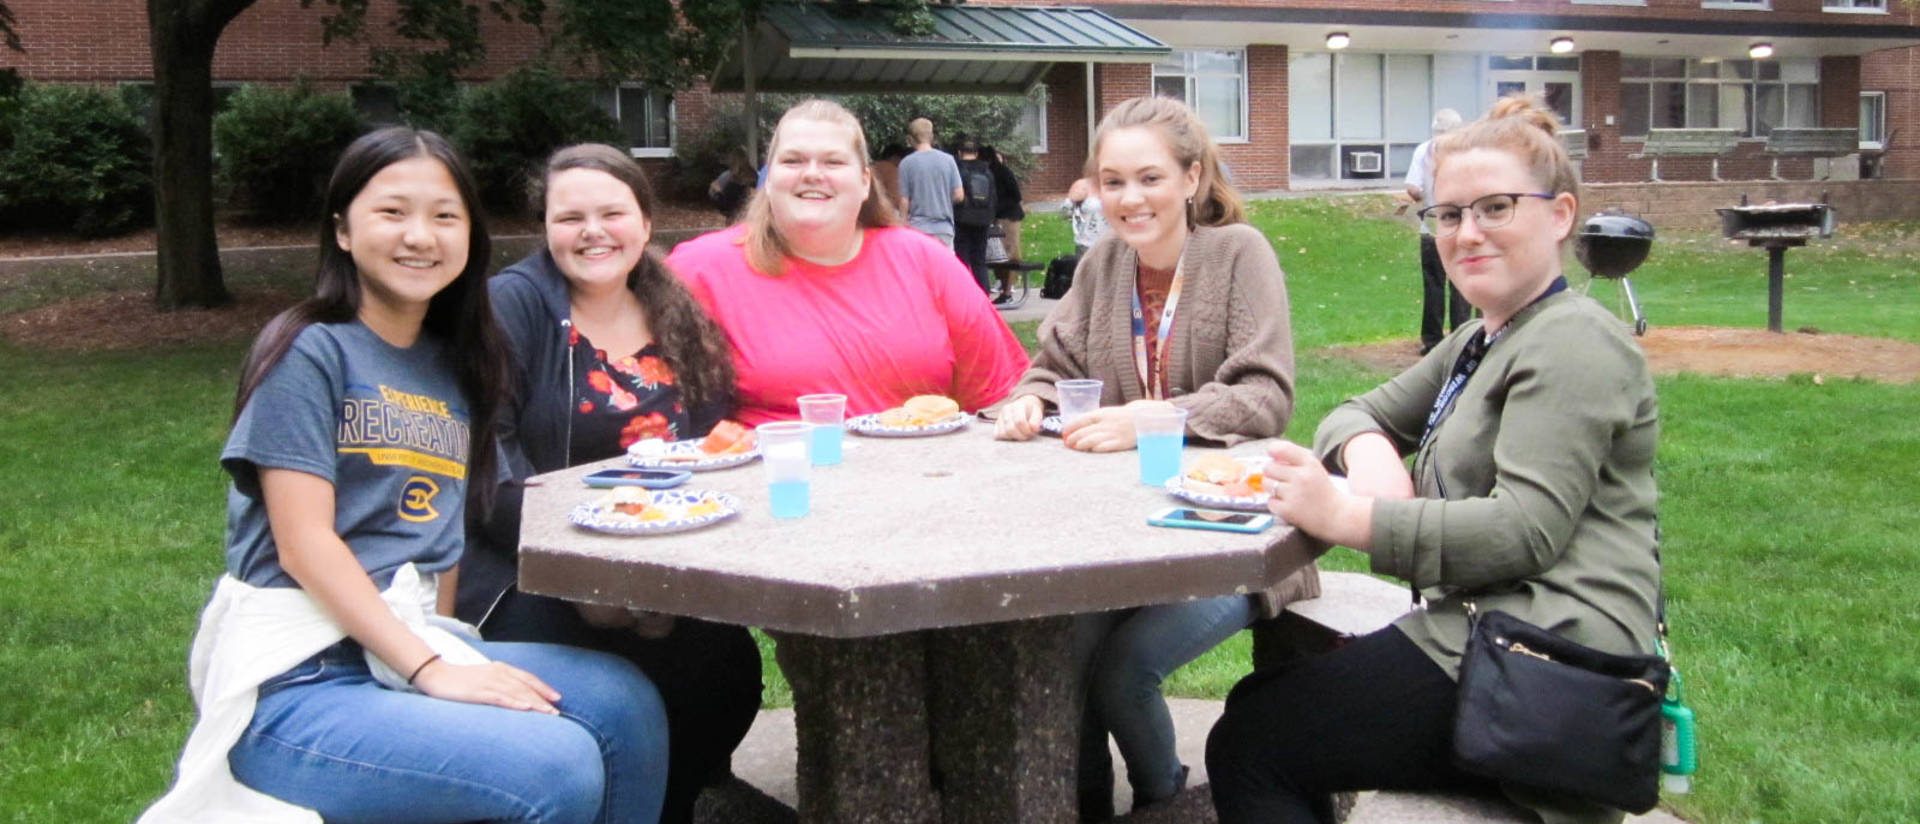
184	33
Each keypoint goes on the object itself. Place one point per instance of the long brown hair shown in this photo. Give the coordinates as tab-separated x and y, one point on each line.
459	315
1215	202
1522	126
690	342
766	250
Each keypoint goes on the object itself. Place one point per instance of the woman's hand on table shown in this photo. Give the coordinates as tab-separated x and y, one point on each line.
1020	419
494	682
1304	496
1374	468
1107	429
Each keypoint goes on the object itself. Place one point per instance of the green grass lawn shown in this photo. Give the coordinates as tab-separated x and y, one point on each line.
1788	511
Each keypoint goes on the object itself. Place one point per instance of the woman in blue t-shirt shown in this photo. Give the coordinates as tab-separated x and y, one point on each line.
323	678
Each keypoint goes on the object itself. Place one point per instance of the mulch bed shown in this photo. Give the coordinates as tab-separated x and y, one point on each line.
126	319
1712	350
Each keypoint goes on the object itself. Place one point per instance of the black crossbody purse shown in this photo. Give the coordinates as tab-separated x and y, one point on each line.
1541	711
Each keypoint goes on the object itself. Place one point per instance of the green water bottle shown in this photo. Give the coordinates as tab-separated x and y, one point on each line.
1678	758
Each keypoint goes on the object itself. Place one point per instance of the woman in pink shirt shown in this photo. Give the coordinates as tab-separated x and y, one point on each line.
821	289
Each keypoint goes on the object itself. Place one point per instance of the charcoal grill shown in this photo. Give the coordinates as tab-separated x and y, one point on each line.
1777	227
1610	245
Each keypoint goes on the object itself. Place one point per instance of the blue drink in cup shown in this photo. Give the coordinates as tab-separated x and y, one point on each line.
828	414
1160	432
784	448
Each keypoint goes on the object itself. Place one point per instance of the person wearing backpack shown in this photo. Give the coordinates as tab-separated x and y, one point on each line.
974	214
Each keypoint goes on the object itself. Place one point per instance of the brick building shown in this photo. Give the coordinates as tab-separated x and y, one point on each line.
1290	110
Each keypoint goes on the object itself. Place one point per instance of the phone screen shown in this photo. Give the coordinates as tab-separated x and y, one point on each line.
633	475
1235	518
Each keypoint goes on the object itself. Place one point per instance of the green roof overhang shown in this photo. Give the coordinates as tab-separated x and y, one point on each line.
852	48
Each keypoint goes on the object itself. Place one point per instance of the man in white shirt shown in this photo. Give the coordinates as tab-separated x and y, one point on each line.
1083	213
1437	292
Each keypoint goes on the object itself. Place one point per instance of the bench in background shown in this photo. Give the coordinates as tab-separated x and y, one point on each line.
1714	143
1815	143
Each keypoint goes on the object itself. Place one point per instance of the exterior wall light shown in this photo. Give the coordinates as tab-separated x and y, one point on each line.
1561	45
1760	51
1338	40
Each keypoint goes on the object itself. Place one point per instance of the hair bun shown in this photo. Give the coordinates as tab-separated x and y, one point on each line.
1529	108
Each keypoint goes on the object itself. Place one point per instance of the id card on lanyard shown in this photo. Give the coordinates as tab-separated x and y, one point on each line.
1463	368
1154	381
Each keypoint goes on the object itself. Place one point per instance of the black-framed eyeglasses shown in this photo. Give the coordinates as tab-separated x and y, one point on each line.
1489	212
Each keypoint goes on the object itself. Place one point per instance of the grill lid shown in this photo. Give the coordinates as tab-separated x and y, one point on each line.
1612	243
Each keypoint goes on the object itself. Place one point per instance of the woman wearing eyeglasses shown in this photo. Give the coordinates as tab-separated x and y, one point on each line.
1533	432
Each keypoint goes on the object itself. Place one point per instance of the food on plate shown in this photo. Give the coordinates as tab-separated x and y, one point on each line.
631	502
921	410
1218	474
727	438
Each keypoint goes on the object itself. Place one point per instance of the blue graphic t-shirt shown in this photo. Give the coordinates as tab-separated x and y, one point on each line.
388	426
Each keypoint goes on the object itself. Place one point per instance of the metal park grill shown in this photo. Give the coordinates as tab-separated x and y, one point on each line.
1610	245
1777	227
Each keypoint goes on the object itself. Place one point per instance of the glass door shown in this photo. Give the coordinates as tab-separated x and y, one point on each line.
1560	90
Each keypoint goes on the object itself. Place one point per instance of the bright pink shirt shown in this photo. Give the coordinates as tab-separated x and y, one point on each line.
902	318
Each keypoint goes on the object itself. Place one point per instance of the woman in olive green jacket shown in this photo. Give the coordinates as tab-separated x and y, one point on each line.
1532	492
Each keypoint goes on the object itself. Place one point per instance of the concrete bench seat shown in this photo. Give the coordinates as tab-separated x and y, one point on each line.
1351	604
1815	143
1713	143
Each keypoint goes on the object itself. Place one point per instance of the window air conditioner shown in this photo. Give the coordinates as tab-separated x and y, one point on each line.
1366	162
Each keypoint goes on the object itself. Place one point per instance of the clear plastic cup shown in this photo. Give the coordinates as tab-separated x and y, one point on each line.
1160	432
828	414
784	448
1077	397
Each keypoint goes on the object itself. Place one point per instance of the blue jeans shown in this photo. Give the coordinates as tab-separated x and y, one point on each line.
326	736
1124	656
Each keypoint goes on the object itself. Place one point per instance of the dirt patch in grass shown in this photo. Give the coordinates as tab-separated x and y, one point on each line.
126	319
1712	350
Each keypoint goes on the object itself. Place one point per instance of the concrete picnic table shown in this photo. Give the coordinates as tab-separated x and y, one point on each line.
921	611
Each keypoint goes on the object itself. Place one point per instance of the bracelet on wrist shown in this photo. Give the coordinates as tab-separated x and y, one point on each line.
422	668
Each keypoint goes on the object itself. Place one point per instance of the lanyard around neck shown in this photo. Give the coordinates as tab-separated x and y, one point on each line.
1154	381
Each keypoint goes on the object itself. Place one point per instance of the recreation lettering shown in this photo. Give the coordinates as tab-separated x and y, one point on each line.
402	420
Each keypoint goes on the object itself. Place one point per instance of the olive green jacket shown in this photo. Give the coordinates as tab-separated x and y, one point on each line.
1535	496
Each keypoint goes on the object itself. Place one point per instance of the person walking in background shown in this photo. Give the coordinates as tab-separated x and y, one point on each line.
973	216
1437	296
1007	213
729	191
886	175
929	184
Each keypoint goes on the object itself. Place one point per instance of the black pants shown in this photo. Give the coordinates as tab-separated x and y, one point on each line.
1376	714
708	674
1438	297
970	243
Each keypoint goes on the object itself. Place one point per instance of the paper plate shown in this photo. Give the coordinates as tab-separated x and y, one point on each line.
715	506
1177	487
871	426
684	455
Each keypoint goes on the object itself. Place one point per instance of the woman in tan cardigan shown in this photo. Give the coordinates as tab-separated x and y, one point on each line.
1213	339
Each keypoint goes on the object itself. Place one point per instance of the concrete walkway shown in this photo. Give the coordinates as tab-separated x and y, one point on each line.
766	760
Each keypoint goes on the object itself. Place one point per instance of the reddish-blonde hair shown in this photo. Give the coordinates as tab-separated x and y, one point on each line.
1522	126
1215	201
766	250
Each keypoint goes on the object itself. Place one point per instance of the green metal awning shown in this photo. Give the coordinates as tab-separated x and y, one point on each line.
853	48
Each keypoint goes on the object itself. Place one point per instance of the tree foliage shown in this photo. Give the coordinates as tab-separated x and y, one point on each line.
7	35
277	146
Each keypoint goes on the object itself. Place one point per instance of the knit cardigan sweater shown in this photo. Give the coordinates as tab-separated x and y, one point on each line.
1229	358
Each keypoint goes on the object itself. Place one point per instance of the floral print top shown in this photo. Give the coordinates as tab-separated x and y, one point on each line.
617	401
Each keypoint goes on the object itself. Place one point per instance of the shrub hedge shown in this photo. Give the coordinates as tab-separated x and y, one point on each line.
73	158
507	128
276	146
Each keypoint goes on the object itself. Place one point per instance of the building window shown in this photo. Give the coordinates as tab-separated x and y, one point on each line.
1213	83
1761	5
646	118
1873	120
1358	117
1750	96
1858	6
1033	121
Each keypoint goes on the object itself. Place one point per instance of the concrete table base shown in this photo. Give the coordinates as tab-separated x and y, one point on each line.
899	729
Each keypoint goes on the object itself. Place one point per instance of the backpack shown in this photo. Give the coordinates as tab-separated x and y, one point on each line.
976	209
1059	277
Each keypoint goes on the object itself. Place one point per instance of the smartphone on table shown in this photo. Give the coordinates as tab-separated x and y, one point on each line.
649	478
1220	519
